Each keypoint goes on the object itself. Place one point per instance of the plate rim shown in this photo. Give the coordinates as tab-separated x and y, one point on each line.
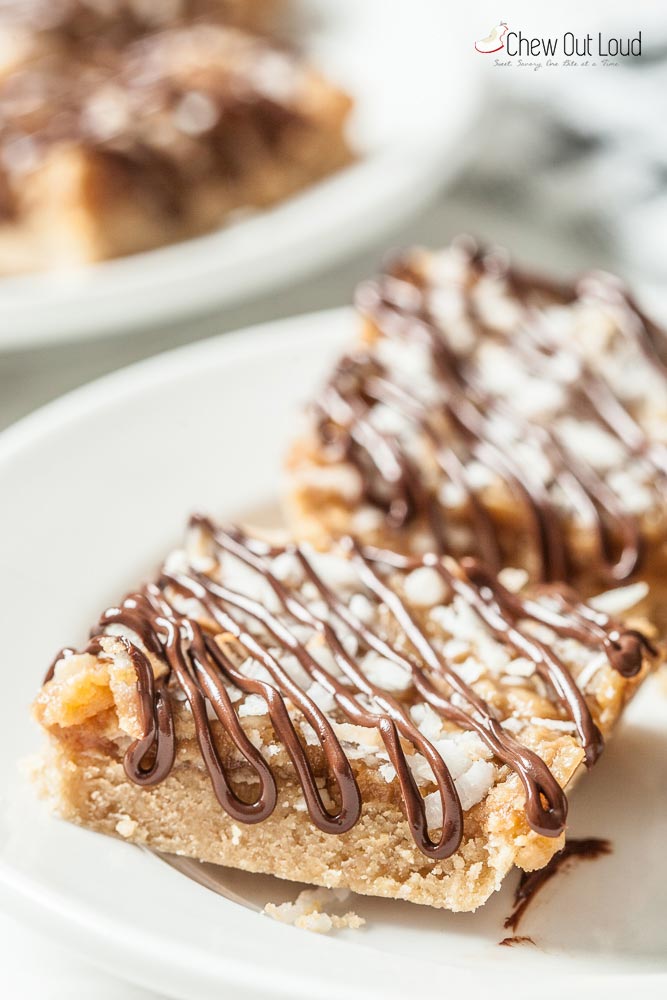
57	412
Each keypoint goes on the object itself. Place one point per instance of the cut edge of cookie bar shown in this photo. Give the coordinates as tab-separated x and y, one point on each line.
377	857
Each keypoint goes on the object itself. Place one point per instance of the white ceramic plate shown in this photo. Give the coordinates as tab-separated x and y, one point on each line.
413	83
93	489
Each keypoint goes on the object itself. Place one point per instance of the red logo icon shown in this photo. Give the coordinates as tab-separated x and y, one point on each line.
494	40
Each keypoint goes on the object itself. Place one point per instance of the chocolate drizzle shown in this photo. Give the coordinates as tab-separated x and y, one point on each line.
200	658
510	942
465	422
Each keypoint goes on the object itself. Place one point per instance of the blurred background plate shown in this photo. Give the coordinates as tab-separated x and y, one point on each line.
406	128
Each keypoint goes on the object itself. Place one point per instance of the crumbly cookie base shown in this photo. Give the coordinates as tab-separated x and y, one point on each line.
377	857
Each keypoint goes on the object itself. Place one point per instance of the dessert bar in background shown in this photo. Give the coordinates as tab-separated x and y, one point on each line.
34	28
400	726
124	139
483	410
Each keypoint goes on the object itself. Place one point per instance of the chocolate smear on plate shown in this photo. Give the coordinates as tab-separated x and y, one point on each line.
531	882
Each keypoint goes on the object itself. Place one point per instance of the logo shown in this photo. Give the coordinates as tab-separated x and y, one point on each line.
568	49
494	40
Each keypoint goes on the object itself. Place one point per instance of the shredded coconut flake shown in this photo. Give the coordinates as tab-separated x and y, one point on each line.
385	673
366	520
513	579
362	608
590	670
126	826
469	669
343	480
558	725
474	783
247	581
513	725
615	602
433	810
324	656
308	911
388	772
255	671
254	704
472	745
255	738
322	698
309	734
424	587
287	568
521	666
427	721
362	735
334	570
540	632
454	755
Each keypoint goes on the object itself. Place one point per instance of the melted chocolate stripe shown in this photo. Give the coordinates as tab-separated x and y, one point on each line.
538	782
533	773
384	454
156	721
395	718
162	632
624	647
211	595
467	408
487	601
188	634
217	695
384	391
588	493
